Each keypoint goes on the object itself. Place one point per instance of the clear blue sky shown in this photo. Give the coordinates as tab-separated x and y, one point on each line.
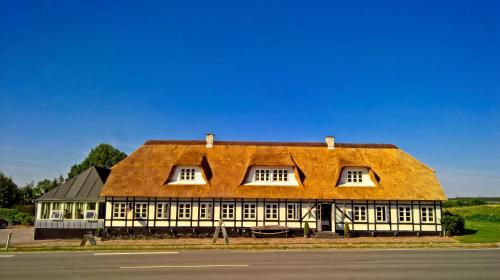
424	76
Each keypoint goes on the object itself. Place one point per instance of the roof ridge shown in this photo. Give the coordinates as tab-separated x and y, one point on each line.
270	143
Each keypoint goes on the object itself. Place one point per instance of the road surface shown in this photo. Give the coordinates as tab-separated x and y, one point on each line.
234	264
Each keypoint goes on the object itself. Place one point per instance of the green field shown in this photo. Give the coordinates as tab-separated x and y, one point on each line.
482	223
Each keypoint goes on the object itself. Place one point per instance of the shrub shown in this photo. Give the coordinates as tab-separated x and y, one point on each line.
453	224
29	208
346	230
24	218
9	215
306	229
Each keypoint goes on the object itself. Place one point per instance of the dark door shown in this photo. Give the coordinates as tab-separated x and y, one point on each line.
326	217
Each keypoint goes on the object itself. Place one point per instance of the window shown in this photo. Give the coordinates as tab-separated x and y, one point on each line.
354	176
360	213
141	210
45	210
68	210
427	214
249	211
405	214
271	211
262	175
187	174
79	210
293	211
381	213
184	210
91	206
205	210
162	211
119	210
227	211
280	175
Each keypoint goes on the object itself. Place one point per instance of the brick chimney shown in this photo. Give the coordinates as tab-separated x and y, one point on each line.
209	138
330	142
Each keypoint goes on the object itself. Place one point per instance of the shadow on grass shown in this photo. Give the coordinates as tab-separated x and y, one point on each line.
469	231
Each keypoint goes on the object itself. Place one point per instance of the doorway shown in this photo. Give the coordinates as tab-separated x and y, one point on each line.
325	217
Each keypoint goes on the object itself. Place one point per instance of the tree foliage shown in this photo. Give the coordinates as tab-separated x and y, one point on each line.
104	155
8	191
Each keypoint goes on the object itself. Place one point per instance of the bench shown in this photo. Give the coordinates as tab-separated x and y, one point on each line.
269	231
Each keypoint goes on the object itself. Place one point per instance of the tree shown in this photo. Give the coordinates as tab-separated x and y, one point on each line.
46	185
26	195
104	155
8	191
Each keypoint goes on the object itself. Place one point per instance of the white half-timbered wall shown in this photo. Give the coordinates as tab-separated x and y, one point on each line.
308	212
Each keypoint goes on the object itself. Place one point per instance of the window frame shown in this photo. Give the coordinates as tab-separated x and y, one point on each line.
228	211
293	211
186	210
405	214
162	210
119	210
249	210
359	213
383	217
187	174
271	211
427	214
206	210
141	210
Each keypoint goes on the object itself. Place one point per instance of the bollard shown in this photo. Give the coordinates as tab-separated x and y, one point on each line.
8	241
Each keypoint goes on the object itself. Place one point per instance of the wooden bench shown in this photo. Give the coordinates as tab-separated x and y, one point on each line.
269	231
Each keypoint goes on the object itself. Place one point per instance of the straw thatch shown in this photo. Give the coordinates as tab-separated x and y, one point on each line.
398	175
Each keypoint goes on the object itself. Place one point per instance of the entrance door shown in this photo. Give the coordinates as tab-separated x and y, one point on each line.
326	217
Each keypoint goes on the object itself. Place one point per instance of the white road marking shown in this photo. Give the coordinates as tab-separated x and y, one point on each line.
6	256
185	266
134	253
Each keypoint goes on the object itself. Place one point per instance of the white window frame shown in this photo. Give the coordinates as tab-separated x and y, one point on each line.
184	210
359	212
206	210
119	210
262	175
228	211
404	214
354	176
293	211
427	214
271	211
249	211
162	210
141	210
187	174
280	175
381	213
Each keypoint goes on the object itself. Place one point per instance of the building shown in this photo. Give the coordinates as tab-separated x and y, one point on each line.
73	208
191	185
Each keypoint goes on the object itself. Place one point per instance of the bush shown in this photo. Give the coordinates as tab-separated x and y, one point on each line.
24	218
30	208
465	202
453	224
9	215
13	216
306	229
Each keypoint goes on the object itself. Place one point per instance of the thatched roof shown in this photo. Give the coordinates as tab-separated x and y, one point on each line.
399	176
86	186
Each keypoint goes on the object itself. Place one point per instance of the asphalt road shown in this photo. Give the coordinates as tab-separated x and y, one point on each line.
225	264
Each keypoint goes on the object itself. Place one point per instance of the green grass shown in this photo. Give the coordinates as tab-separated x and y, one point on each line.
482	223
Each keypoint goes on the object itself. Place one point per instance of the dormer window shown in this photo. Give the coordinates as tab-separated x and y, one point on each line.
355	177
274	176
187	175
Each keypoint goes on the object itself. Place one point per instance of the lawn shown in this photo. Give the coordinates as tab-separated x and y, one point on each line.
482	223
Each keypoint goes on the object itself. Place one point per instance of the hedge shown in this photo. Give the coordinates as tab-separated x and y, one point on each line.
13	216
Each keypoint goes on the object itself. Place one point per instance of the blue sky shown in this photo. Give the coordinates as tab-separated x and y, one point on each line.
424	76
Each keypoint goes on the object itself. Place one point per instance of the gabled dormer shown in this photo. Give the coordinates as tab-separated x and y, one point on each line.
357	177
187	175
271	176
